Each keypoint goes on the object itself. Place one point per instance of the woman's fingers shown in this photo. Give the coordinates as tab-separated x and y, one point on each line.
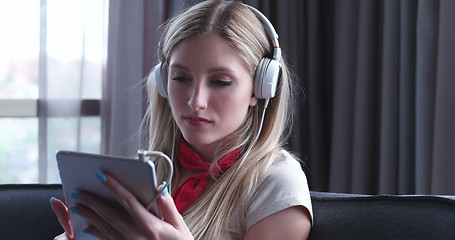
128	200
138	223
171	215
149	223
168	210
97	233
107	219
63	217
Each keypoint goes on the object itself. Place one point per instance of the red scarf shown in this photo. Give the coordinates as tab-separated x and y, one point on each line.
193	187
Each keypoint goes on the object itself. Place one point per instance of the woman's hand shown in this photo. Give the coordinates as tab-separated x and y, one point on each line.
107	222
61	211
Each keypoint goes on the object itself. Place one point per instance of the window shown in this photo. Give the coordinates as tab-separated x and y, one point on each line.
51	71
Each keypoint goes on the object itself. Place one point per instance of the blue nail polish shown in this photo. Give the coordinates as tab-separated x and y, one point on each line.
100	176
165	190
75	210
76	196
52	199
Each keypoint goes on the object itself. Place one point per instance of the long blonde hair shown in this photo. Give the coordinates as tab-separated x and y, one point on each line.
244	31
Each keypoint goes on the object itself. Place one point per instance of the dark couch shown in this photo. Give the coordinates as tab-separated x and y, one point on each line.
25	213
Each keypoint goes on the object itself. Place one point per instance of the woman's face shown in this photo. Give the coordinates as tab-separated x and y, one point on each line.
210	90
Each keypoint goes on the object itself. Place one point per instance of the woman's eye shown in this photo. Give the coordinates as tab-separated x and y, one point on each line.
223	82
180	78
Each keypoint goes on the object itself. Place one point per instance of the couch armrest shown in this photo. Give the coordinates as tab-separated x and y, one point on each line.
25	211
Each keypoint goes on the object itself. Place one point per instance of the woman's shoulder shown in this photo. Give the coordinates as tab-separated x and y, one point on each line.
285	162
284	177
283	185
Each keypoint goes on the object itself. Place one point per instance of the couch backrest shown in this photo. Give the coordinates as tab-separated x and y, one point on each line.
348	216
25	211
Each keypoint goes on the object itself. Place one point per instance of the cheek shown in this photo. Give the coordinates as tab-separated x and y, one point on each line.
176	96
234	110
238	103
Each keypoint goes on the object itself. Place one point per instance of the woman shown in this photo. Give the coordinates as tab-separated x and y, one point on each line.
233	179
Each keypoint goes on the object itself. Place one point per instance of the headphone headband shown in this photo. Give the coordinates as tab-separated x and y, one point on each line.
267	71
271	31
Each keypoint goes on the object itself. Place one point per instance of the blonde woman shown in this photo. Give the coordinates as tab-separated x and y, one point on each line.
220	102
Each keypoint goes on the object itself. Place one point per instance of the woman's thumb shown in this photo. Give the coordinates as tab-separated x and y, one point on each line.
63	217
169	211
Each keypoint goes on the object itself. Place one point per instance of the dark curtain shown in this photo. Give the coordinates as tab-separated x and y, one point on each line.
379	77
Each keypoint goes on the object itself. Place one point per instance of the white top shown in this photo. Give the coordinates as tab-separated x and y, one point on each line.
285	185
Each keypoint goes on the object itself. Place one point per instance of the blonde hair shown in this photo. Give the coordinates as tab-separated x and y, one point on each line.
244	31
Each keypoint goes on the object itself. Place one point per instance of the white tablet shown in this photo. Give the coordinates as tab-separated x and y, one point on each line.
77	172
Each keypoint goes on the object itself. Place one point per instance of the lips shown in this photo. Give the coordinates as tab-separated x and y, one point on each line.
196	121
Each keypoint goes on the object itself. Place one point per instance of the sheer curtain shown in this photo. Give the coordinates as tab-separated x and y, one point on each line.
51	67
121	106
71	66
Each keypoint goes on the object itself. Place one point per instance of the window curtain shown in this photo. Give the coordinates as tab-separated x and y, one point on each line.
378	77
122	102
69	67
380	85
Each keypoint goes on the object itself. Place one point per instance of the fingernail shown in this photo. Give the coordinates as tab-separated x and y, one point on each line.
163	191
75	210
51	200
100	176
76	196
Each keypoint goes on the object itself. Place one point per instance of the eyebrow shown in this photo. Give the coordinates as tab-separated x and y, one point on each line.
212	70
176	65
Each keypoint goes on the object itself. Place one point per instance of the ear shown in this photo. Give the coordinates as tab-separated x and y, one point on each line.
253	101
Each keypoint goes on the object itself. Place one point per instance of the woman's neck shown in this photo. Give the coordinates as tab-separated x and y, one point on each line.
205	152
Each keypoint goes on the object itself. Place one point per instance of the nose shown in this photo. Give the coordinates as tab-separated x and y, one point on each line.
199	98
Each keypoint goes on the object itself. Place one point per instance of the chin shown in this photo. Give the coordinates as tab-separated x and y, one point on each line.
198	140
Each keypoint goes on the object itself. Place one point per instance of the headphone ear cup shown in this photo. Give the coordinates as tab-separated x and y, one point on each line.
266	78
160	73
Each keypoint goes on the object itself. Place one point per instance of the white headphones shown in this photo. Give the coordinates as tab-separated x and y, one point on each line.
265	77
